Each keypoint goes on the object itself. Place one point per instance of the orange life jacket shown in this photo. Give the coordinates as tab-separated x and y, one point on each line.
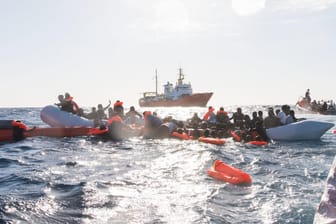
115	118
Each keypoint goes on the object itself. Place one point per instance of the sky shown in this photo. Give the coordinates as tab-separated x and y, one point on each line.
247	52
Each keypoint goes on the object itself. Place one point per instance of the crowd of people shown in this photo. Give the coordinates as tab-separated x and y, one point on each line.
248	128
319	106
98	114
212	124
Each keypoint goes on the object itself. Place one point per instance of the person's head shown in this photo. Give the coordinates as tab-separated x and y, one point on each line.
132	108
291	112
254	114
221	108
239	110
93	109
100	106
284	107
260	113
270	111
67	95
61	98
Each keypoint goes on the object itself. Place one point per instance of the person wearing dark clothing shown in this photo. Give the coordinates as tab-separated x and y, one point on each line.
238	118
248	125
255	119
307	96
74	108
222	120
65	105
152	124
271	120
195	121
260	116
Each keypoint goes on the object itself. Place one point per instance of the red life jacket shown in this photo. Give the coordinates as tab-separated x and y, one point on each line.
115	118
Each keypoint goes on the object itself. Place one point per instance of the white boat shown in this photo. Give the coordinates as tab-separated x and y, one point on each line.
301	130
326	211
53	116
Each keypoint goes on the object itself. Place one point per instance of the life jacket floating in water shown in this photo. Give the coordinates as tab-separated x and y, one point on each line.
259	143
216	141
235	136
182	136
227	173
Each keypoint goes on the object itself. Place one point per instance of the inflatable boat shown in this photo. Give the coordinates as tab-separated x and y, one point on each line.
227	173
301	130
53	116
14	130
326	211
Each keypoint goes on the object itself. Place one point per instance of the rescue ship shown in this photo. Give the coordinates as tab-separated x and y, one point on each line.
180	95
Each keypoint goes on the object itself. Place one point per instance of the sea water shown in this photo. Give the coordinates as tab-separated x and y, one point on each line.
87	180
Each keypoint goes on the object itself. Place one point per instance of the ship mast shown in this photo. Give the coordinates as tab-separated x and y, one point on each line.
181	77
156	83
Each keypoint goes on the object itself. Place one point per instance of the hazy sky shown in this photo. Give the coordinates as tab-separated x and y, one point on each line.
245	51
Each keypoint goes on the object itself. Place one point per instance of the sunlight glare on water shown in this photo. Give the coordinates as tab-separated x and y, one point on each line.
90	180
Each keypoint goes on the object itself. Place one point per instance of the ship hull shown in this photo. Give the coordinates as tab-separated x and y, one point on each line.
194	100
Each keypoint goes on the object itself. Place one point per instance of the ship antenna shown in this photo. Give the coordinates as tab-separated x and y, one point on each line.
156	83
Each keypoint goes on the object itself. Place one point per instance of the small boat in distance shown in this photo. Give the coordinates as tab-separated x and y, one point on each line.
307	105
179	96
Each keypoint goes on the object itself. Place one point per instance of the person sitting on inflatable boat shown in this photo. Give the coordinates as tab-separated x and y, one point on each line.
284	115
222	119
210	116
271	120
238	118
66	105
69	100
194	121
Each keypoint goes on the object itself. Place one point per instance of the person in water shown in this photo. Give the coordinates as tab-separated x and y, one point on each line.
132	116
101	111
254	119
194	121
152	124
93	114
118	108
260	115
210	116
238	118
